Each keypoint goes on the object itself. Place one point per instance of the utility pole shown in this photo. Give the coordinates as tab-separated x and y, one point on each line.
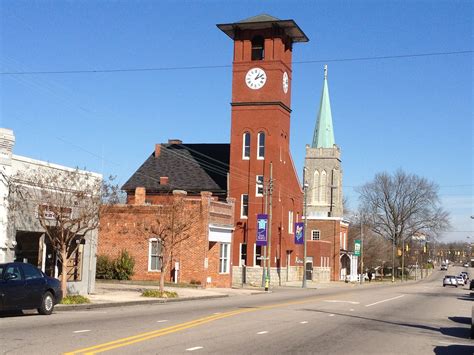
393	260
305	188
264	261
270	223
403	258
361	251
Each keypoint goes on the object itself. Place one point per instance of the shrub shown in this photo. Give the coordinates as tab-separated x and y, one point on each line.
105	268
75	299
159	294
123	266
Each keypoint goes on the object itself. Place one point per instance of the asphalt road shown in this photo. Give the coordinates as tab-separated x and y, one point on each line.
410	318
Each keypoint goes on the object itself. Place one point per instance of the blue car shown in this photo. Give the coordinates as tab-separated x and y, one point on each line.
24	286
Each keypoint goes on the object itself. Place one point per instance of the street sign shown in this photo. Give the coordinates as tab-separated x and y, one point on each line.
357	245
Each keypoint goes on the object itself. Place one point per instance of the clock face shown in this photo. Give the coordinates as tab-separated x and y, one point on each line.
285	82
255	78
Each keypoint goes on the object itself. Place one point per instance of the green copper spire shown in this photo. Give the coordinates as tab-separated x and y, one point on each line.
324	134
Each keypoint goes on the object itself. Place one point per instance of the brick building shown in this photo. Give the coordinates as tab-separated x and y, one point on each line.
327	231
262	178
202	258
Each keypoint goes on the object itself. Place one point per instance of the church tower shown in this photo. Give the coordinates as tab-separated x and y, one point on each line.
326	232
262	177
323	164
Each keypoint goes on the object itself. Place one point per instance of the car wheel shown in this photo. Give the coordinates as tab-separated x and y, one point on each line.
47	304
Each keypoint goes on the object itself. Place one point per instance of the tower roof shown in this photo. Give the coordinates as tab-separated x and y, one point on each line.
324	133
265	21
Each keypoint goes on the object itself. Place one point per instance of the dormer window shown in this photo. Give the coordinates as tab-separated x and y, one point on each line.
258	48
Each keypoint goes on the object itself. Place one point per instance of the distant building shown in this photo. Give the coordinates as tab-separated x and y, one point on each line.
327	230
21	236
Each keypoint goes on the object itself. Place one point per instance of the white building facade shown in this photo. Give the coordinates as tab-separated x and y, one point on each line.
21	236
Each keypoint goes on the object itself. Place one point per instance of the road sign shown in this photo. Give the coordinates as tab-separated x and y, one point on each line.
357	245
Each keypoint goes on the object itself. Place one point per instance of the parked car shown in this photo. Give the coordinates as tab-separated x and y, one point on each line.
460	280
465	276
466	265
471	285
23	286
450	280
444	267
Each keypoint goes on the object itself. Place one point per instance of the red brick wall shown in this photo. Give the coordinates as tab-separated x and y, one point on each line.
120	228
330	235
274	120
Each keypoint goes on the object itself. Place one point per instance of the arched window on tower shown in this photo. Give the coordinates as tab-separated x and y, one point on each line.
261	145
258	48
246	146
315	194
323	187
335	185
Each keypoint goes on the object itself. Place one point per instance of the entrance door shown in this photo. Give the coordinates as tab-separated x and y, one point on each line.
309	268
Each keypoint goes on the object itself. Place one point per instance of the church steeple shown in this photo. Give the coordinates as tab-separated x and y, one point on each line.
323	133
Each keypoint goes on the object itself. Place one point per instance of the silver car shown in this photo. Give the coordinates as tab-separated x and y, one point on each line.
450	280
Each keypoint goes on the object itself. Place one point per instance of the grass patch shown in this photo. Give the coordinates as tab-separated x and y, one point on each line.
75	299
159	294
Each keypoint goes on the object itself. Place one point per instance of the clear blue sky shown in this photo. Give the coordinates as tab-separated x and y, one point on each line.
410	113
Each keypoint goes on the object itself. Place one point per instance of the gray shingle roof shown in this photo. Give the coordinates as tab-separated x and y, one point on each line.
190	167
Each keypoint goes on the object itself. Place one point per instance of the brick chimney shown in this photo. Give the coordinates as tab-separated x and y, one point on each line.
140	196
157	150
175	141
163	180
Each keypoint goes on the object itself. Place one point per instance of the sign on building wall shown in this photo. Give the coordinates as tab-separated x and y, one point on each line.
299	233
262	229
357	247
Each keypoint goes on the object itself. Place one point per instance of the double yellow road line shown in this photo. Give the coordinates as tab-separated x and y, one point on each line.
179	327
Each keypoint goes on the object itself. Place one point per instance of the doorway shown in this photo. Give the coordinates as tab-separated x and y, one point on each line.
309	268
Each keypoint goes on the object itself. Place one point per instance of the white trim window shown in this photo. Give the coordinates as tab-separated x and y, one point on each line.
154	254
224	259
261	145
315	234
290	222
244	206
257	255
259	186
246	146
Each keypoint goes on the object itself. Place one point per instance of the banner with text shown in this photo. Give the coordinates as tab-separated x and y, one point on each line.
262	229
357	244
299	233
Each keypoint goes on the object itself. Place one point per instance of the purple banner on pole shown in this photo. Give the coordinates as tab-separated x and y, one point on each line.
299	233
262	227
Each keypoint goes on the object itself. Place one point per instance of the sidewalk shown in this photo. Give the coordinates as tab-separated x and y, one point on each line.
110	294
118	294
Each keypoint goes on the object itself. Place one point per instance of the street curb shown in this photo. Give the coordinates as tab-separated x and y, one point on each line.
76	307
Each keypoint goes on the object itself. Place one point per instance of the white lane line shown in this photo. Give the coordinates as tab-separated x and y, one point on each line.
304	322
341	301
195	348
388	299
331	315
82	331
264	332
161	320
352	309
217	313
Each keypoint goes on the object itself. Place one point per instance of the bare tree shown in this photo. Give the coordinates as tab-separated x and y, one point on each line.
63	202
402	205
172	225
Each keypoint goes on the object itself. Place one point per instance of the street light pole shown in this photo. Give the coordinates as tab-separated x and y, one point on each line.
361	251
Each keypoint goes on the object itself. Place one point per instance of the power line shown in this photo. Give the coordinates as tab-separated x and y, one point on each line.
131	70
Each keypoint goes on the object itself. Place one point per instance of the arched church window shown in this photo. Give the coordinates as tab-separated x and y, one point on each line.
323	187
261	145
258	48
315	194
335	185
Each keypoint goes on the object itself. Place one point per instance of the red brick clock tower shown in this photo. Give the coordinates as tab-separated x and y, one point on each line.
262	177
